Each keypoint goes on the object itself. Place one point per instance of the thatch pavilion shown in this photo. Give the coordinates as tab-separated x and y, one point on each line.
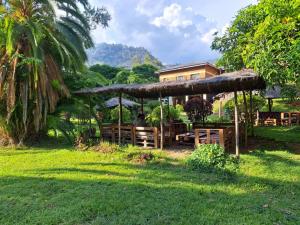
245	80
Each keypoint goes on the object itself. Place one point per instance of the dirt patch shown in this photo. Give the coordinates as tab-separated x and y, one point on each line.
178	151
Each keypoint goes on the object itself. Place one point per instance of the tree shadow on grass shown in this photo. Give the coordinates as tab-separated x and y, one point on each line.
37	200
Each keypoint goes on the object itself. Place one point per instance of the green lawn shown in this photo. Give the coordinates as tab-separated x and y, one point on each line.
280	105
64	186
281	134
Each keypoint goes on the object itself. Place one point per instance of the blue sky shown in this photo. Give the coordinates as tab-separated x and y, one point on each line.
173	31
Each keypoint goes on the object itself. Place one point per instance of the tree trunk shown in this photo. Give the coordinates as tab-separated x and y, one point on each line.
246	118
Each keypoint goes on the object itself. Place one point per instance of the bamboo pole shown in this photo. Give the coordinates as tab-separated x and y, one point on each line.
246	118
120	117
90	116
142	105
161	122
251	114
236	121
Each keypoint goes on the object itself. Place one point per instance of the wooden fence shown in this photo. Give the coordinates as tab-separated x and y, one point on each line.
222	136
278	118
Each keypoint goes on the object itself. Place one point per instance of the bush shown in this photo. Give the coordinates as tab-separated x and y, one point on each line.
212	157
258	103
115	115
106	147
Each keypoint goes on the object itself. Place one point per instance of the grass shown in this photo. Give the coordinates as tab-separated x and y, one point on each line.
47	185
281	105
280	134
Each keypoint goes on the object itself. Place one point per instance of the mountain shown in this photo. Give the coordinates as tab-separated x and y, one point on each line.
119	55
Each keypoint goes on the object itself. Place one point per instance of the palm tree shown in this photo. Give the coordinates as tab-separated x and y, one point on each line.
39	40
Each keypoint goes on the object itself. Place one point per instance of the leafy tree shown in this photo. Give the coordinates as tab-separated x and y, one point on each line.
265	37
126	114
169	113
107	71
198	109
146	72
258	103
36	46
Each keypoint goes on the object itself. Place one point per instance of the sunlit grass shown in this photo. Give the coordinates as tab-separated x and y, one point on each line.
63	186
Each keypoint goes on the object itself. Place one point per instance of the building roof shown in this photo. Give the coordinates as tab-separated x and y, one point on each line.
187	66
228	82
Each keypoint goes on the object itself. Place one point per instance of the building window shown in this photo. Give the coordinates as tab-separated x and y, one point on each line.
165	80
180	78
195	76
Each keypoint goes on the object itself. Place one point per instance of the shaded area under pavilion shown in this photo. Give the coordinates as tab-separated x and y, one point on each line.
244	80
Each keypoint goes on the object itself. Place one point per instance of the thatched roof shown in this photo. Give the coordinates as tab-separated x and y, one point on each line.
227	82
113	102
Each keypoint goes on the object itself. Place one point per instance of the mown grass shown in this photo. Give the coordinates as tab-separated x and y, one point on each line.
48	185
280	134
281	105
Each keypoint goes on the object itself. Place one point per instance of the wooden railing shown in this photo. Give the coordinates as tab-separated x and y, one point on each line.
223	136
278	118
142	136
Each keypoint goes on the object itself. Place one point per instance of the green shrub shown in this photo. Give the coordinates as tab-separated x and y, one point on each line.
258	103
115	115
212	157
106	147
170	112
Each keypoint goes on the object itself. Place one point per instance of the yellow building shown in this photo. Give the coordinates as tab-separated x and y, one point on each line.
188	72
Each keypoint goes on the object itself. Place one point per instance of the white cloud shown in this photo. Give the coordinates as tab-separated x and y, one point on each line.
173	18
208	37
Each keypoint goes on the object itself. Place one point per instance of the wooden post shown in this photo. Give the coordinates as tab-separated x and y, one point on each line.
251	114
270	105
197	131
155	135
120	117
161	122
90	116
142	105
246	118
221	138
236	121
220	108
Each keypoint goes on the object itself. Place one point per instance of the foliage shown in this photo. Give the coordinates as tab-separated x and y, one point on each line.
257	101
37	44
217	119
146	72
106	147
291	92
198	109
109	72
138	75
169	113
281	105
96	16
58	124
114	115
264	37
210	157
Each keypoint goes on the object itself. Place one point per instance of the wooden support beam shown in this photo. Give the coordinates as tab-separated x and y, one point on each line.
251	114
120	118
161	122
142	105
90	116
246	117
269	104
236	122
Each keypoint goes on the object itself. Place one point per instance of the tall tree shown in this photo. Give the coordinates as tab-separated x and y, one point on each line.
37	44
265	37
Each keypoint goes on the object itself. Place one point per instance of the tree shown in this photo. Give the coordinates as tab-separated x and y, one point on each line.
107	71
264	37
36	46
146	72
198	109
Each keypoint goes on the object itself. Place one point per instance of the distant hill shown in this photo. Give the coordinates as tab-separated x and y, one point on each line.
119	55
